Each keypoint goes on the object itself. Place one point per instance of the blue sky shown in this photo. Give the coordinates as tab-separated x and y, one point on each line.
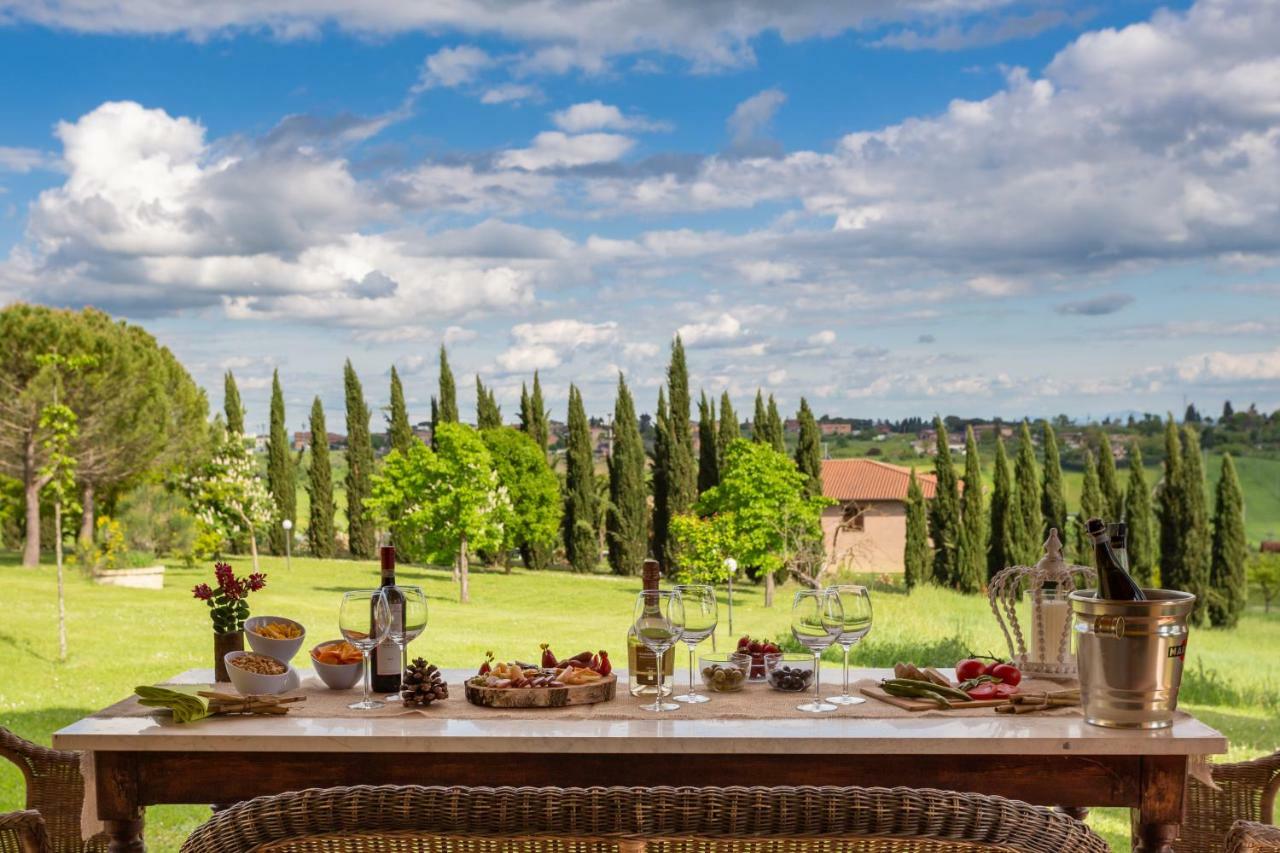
993	207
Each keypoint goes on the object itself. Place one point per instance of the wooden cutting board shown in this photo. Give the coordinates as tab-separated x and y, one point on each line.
876	692
542	697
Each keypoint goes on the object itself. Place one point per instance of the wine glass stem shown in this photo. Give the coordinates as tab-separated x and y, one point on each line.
691	690
846	671
367	676
817	678
657	702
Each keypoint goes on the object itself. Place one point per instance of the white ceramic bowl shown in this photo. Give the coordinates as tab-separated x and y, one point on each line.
252	684
282	650
338	676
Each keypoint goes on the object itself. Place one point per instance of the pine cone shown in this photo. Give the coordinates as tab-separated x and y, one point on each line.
422	684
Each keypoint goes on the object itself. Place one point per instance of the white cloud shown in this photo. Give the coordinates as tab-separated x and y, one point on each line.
22	159
1219	367
640	351
451	67
508	93
457	335
723	330
595	115
994	285
751	118
826	337
565	333
525	358
551	149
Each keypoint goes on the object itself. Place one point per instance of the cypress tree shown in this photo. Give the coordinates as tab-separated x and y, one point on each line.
1053	506
627	522
1026	500
708	452
661	484
944	513
1141	522
728	424
760	421
320	487
488	413
1109	481
581	543
360	531
280	480
1171	513
682	479
1228	592
916	567
448	399
1090	507
526	410
1004	537
399	432
809	450
973	568
775	427
541	424
231	405
533	421
1198	537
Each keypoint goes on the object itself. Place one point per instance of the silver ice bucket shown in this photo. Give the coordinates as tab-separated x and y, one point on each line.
1130	656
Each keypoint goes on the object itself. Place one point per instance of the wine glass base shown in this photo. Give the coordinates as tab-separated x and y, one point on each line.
845	700
692	698
816	707
391	697
660	706
366	705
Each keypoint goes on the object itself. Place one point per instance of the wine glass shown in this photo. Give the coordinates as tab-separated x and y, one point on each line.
855	604
698	616
364	620
816	620
408	606
656	614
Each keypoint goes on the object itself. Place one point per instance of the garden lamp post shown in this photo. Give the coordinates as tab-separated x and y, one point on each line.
287	524
732	566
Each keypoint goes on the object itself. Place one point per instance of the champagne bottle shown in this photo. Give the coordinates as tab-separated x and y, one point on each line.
1114	583
642	663
387	666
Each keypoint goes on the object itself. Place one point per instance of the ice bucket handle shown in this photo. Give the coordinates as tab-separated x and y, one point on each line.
1109	625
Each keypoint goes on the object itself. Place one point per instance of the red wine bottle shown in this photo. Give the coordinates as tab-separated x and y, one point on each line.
385	659
1114	582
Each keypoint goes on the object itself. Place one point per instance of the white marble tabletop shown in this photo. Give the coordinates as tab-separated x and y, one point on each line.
1027	734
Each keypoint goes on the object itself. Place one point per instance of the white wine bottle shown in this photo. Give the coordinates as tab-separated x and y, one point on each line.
642	663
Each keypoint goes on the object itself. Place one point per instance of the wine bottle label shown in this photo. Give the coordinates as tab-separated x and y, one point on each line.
386	659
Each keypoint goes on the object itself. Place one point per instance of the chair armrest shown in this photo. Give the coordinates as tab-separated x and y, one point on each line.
1249	837
26	830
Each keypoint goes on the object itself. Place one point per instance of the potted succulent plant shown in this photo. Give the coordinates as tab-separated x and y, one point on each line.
228	608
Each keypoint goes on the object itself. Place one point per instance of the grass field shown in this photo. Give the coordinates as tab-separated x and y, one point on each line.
119	638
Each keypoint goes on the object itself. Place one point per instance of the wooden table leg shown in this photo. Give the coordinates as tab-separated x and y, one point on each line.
1163	803
125	835
116	779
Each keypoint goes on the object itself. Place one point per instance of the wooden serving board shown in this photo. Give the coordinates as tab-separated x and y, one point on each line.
908	704
542	697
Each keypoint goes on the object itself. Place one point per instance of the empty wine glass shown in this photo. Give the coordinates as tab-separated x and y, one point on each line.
698	616
855	604
364	620
816	620
408	606
656	614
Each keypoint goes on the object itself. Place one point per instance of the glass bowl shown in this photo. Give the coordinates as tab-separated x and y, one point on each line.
724	672
789	671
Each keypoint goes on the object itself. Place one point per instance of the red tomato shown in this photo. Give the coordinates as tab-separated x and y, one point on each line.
1003	691
983	691
969	668
1007	673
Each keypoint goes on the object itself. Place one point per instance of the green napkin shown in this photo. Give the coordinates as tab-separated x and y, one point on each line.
187	707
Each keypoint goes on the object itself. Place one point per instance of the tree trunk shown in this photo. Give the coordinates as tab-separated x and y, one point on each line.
464	588
87	519
62	601
253	548
768	589
31	492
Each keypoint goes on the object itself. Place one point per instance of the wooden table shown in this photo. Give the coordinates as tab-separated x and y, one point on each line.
1057	761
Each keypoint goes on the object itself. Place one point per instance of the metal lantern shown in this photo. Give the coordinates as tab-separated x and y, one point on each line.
1047	586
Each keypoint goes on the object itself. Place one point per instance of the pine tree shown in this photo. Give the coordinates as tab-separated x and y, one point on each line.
231	405
682	479
399	432
1171	513
916	564
627	522
708	452
488	413
729	430
1090	507
360	532
320	487
1196	532
280	480
1053	506
809	449
760	421
1002	550
1228	591
448	399
1109	481
661	485
1027	500
1140	520
776	437
972	569
944	513
581	543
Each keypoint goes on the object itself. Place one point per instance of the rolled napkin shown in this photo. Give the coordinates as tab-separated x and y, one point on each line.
186	706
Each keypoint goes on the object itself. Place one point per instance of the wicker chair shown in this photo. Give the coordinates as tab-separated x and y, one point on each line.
1246	836
393	819
1248	794
23	832
55	789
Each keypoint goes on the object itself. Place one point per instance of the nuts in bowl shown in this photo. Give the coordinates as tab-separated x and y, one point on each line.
255	674
790	671
725	672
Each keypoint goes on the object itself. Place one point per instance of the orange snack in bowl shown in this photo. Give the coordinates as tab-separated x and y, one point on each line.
337	654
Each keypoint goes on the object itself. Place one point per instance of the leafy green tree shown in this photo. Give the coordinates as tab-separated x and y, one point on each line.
1003	548
1264	576
1090	507
1228	591
944	513
1109	481
320	529
627	521
444	501
1140	520
488	413
662	509
916	563
809	449
1053	505
231	405
1027	499
399	431
448	396
226	496
360	530
280	479
581	539
729	430
700	546
532	489
776	438
972	570
682	479
708	452
1196	533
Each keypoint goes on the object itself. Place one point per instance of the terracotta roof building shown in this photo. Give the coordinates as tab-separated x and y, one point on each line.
867	530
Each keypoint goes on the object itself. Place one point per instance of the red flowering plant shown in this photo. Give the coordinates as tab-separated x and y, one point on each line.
229	601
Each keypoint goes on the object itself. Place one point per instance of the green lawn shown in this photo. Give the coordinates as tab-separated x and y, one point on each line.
119	638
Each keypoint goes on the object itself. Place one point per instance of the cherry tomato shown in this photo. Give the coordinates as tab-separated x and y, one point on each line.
968	669
1007	673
